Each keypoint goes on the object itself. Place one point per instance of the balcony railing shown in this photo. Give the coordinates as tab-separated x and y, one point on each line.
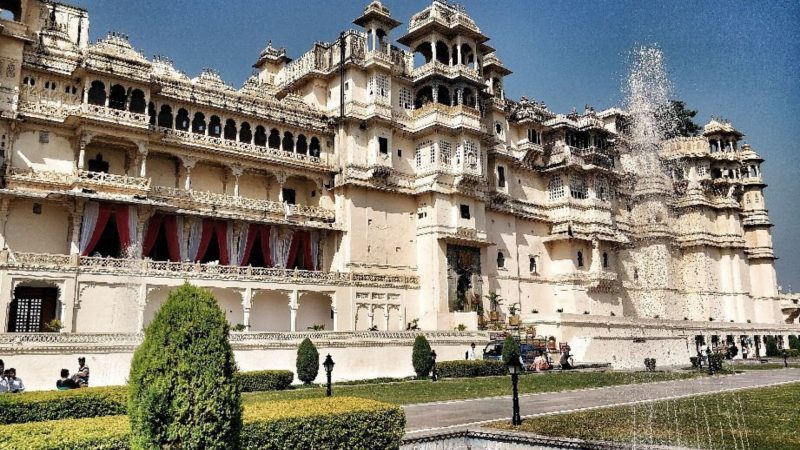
438	68
71	180
432	114
591	155
189	270
218	143
107	114
216	200
87	178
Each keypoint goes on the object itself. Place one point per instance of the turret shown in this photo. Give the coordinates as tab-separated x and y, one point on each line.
378	23
270	63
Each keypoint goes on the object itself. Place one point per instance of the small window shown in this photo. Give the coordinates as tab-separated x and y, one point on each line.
501	260
44	137
532	265
605	260
289	196
465	212
580	259
346	86
383	145
399	153
501	176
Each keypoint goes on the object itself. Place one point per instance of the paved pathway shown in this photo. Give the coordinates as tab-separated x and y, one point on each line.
458	415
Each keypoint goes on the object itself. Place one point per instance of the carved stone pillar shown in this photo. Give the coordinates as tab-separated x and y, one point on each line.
236	171
75	229
458	50
335	313
433	47
293	305
5	202
247	304
188	163
596	258
386	317
141	304
84	140
142	148
435	92
281	178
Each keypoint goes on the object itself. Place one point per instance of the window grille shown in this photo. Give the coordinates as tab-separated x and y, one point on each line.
555	188
444	152
577	188
406	99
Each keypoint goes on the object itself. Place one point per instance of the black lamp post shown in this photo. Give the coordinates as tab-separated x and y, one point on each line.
434	377
328	364
514	369
785	358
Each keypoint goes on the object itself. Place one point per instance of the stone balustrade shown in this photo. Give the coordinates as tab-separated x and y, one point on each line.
189	270
434	68
170	135
87	178
193	199
77	180
433	114
106	114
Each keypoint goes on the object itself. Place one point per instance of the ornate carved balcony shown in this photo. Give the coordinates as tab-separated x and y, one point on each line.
169	135
110	180
188	270
435	68
122	184
249	206
433	114
111	115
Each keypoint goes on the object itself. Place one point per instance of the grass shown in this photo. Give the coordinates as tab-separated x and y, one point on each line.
762	418
423	391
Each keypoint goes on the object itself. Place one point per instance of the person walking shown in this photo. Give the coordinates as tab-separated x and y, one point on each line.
471	353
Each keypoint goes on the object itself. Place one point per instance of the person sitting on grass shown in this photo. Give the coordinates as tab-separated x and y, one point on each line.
81	377
66	383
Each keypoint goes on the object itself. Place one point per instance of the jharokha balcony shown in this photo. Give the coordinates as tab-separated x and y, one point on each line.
122	184
134	267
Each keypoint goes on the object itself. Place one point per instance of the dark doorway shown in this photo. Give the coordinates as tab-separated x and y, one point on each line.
109	245
289	196
31	309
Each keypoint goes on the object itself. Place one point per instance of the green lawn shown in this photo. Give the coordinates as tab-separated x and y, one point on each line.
763	418
408	392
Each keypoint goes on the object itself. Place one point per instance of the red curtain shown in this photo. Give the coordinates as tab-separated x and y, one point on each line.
301	242
121	218
252	233
265	246
153	227
173	246
205	239
221	230
102	221
308	262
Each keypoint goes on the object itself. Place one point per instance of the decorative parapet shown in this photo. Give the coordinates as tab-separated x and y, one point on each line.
172	136
117	116
193	199
188	270
436	68
433	114
28	177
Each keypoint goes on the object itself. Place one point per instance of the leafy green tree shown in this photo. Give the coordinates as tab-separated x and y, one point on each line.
421	357
679	120
307	361
510	350
772	346
182	394
794	342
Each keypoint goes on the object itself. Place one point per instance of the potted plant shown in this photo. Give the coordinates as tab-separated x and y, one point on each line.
54	326
494	304
513	319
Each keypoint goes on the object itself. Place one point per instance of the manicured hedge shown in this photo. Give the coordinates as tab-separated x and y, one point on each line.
330	423
108	401
265	380
462	369
53	405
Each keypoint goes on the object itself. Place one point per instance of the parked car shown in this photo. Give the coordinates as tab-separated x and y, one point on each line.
494	352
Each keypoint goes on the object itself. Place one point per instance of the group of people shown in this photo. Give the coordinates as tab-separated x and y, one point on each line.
540	363
79	379
11	383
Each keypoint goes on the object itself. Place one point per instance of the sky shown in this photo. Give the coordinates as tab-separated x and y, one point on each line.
739	60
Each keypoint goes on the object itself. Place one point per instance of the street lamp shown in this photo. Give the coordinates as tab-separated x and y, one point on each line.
514	369
433	365
328	364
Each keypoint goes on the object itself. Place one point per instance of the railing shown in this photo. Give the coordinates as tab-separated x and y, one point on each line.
86	177
72	179
113	115
29	175
145	268
214	199
591	155
450	116
188	137
438	68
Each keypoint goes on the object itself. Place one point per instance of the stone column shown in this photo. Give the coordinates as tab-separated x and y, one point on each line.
386	316
371	315
75	229
5	202
247	304
374	40
143	150
597	263
84	140
281	178
140	307
433	48
458	50
188	163
335	313
236	171
293	305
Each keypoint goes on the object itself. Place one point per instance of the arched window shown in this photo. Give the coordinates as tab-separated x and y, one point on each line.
288	142
423	54
555	188
245	134
442	53
165	116
444	95
214	126
580	259
605	260
199	123
11	10
230	130
182	120
314	149
117	97
151	113
274	140
260	138
97	93
423	97
137	103
32	308
532	265
302	145
30	81
501	260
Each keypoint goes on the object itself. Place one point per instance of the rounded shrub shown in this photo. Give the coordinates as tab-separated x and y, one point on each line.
510	350
421	357
307	361
182	391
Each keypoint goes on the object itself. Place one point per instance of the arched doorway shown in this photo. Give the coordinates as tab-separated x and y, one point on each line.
32	309
314	310
269	311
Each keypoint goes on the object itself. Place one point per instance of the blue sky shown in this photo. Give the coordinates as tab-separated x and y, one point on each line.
737	60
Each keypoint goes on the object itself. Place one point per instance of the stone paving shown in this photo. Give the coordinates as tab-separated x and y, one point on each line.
452	416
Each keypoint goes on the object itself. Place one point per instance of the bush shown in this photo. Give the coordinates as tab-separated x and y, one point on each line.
53	405
421	357
182	391
772	346
715	361
264	380
467	369
794	342
793	353
334	423
307	361
510	349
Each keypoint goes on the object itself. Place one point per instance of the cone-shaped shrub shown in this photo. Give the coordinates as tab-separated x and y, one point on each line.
307	361
421	357
182	393
510	349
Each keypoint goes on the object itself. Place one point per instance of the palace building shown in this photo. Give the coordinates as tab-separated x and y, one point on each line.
368	184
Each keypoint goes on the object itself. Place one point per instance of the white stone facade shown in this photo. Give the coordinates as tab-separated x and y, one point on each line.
358	195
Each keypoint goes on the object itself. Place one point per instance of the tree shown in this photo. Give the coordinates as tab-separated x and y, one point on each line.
794	342
678	120
421	357
181	390
307	361
772	346
511	350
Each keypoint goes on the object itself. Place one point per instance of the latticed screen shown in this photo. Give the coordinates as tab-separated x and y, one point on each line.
29	315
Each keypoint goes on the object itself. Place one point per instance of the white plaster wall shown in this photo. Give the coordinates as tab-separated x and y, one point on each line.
56	155
39	233
106	308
